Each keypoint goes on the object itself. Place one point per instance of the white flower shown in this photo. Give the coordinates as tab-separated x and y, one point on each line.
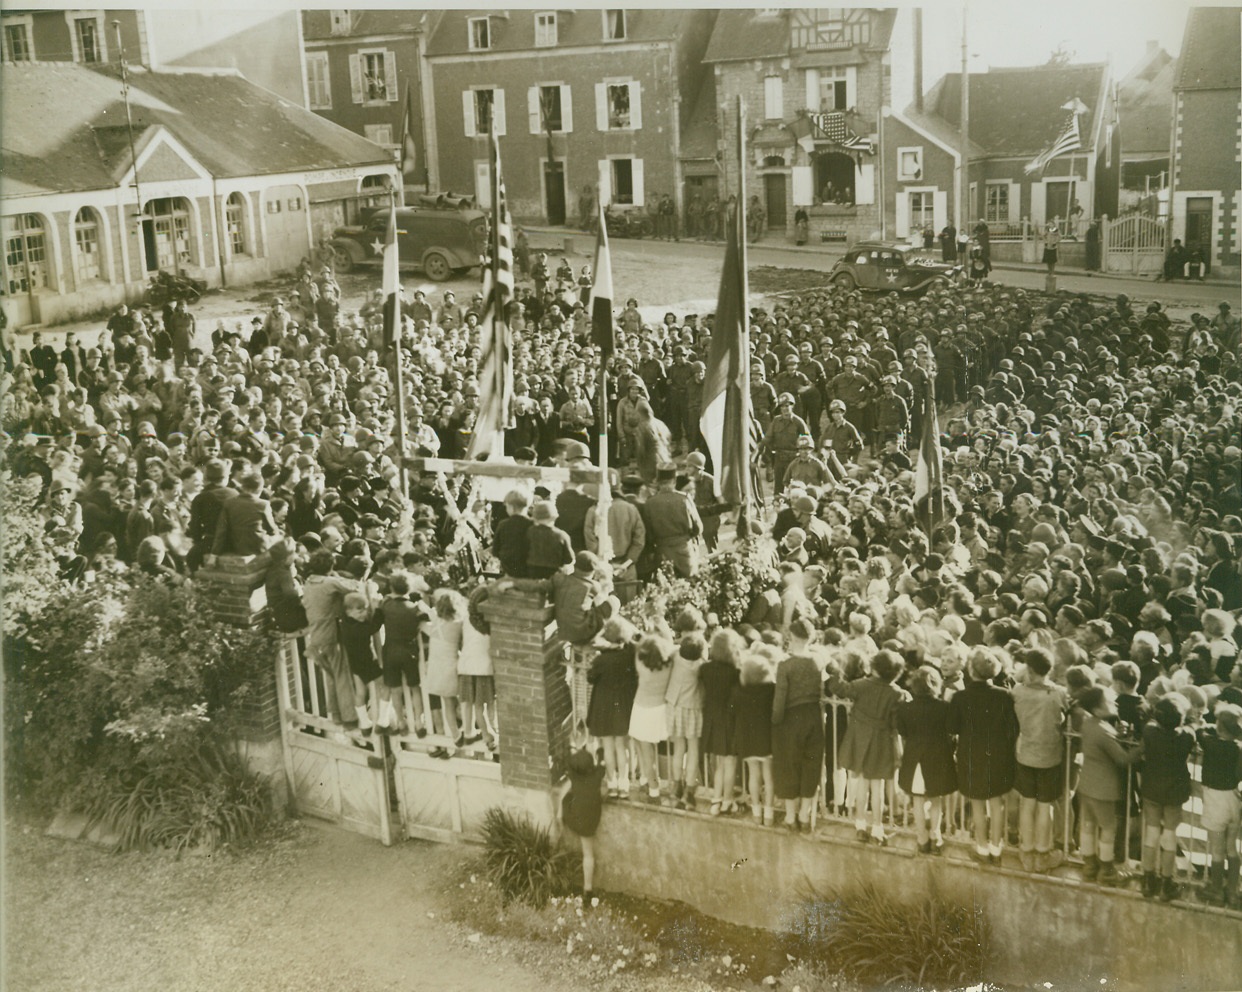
727	960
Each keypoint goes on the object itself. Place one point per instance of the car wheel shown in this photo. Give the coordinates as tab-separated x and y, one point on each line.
436	266
843	280
342	258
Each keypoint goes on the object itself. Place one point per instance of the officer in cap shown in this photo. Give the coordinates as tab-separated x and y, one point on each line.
780	442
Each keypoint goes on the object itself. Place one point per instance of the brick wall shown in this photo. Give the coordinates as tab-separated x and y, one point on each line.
532	697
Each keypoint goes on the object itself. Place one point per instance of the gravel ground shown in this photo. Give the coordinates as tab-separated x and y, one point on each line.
316	910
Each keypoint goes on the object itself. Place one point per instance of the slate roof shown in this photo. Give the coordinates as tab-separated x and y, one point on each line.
944	132
514	30
748	34
1145	99
317	24
1017	111
1211	56
698	135
64	127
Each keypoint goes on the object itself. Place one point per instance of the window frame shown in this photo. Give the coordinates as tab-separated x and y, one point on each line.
367	130
834	77
93	226
1003	186
477	91
472	24
383	54
904	175
930	197
553	23
546	121
321	60
624	33
771	91
73	18
26	23
615	121
613	185
236	210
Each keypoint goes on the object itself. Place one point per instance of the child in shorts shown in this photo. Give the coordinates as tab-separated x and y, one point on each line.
1222	807
1167	744
1101	785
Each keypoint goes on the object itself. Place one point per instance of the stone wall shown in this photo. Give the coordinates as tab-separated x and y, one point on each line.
1044	929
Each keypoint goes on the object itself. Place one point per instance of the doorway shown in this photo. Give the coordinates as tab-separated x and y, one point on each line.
774	201
554	191
1057	204
1199	228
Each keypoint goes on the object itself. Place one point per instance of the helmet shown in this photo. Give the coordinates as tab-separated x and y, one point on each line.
836	406
785	398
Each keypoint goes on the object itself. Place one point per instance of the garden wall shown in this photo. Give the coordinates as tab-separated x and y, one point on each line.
1045	929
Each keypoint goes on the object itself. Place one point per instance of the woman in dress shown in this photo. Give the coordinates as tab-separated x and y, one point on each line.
614	682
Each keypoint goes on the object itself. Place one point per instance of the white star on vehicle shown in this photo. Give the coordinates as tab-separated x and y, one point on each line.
378	246
890	276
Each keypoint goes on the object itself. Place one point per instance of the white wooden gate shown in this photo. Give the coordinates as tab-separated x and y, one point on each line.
384	787
1133	245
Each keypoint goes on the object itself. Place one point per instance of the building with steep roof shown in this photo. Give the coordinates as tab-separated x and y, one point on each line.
604	93
1015	114
1207	137
217	178
812	82
1145	106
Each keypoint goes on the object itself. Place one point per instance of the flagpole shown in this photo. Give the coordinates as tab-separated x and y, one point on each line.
499	327
394	336
602	336
743	412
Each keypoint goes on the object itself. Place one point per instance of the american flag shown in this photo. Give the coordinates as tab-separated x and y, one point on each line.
832	126
1069	140
496	359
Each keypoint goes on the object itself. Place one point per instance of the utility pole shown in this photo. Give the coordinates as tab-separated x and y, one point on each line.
963	196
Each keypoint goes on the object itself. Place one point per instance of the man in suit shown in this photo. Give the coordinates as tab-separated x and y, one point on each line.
205	510
675	524
244	525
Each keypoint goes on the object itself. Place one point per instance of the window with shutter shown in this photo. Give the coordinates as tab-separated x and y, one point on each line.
318	82
391	88
773	98
605	181
618	107
357	89
567	109
545	29
996	208
378	81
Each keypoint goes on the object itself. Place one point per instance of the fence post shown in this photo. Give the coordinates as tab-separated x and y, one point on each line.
533	703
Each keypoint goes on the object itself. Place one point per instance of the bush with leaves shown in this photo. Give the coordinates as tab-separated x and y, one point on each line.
113	682
880	940
524	861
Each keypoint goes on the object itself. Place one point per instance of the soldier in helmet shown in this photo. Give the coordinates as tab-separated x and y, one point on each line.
846	441
807	467
781	438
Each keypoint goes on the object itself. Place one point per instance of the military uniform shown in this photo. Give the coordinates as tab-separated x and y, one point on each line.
674	526
846	441
782	441
854	390
680	379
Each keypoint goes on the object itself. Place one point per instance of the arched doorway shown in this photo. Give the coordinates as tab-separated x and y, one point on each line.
834	178
166	235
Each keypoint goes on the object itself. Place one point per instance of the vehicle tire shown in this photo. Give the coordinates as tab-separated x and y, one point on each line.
436	267
342	258
843	280
647	229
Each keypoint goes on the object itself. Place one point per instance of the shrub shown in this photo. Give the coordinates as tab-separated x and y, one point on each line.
204	797
523	860
879	940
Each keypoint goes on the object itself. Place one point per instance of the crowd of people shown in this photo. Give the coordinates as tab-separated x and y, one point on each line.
1078	589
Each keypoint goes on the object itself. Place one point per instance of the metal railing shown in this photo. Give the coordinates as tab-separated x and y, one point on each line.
836	805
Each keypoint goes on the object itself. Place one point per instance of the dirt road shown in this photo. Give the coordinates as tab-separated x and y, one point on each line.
319	911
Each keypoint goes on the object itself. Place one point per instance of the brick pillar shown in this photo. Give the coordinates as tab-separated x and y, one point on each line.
532	697
233	590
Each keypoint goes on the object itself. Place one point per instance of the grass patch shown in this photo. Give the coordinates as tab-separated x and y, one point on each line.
878	940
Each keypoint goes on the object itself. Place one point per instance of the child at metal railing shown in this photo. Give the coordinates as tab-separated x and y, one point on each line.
1101	785
1222	805
685	706
1040	708
752	728
1167	745
798	729
926	771
870	749
719	677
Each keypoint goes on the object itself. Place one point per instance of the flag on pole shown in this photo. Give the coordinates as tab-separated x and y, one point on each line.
602	334
726	395
495	360
929	471
391	284
1069	140
409	152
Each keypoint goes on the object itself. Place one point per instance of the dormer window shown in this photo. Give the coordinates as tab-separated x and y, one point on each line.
340	21
614	25
480	34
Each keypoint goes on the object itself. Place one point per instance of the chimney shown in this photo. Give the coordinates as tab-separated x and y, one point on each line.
918	59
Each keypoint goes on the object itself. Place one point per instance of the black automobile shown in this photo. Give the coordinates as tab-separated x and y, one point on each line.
891	266
440	241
